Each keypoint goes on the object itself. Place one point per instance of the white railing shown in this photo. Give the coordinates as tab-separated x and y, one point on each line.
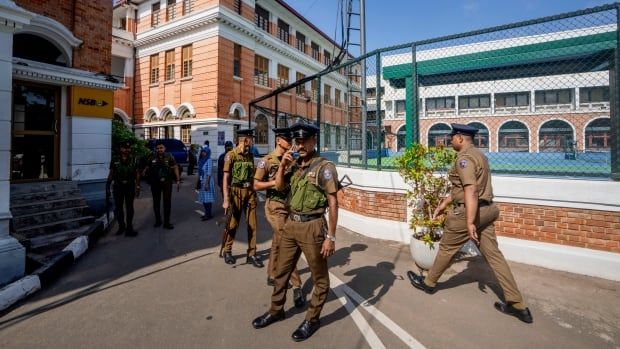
512	110
554	107
594	106
441	112
475	111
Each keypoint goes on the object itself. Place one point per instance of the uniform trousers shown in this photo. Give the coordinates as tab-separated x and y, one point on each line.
276	214
241	199
157	189
298	237
124	195
455	236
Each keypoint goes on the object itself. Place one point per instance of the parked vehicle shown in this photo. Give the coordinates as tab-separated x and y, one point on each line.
174	147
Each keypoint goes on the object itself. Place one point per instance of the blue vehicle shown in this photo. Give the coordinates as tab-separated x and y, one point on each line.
174	147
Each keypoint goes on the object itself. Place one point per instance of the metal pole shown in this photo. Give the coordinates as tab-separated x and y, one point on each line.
318	116
276	115
363	82
378	109
615	106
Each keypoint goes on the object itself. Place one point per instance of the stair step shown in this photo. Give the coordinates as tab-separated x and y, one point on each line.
44	196
39	206
36	243
54	227
42	217
26	188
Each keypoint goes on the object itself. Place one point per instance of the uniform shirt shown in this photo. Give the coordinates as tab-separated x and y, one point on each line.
231	157
266	170
124	171
471	167
162	166
326	172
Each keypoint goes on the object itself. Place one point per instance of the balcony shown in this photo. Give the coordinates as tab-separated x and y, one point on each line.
595	106
123	34
475	111
554	108
512	110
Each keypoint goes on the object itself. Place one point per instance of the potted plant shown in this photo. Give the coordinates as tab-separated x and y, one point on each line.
425	170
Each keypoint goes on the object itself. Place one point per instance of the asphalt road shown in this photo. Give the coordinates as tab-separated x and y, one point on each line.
169	289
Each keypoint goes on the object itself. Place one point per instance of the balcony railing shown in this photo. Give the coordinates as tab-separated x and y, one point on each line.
554	107
595	106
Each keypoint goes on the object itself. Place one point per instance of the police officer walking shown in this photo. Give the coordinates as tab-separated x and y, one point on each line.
239	197
275	206
313	187
472	217
163	170
125	179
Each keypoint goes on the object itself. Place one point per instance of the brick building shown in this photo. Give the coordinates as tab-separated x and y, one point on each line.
198	64
56	104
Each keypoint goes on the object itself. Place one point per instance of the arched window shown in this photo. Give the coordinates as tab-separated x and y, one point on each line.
555	136
401	138
184	113
597	135
481	140
36	48
439	134
261	129
513	137
166	115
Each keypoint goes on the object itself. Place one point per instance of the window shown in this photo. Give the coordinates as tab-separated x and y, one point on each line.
371	92
327	133
551	97
186	56
300	90
513	137
261	70
237	60
346	100
327	58
441	103
155	14
261	129
337	98
315	50
439	135
301	42
327	94
283	31
282	75
169	65
473	102
314	87
188	6
261	18
237	6
338	136
171	10
147	133
598	135
519	99
186	134
481	139
555	136
594	94
154	77
400	108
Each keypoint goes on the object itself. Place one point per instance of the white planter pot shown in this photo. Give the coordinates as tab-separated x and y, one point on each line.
423	255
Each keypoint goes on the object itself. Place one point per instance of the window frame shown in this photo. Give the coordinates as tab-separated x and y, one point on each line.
283	31
237	60
261	76
154	69
260	20
186	63
155	12
169	74
301	43
283	75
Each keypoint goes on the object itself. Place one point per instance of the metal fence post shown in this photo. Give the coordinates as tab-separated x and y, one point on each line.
318	116
378	109
615	106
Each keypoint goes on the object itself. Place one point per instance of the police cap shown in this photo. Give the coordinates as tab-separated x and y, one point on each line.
301	130
463	129
246	133
228	144
283	132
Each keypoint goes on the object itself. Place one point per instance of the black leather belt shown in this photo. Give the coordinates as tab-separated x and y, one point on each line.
481	203
241	185
299	217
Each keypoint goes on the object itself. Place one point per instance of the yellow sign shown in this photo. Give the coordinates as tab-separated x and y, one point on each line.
92	102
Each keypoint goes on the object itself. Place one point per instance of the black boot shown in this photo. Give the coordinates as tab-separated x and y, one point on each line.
306	330
299	298
228	258
417	281
267	319
522	314
121	229
254	261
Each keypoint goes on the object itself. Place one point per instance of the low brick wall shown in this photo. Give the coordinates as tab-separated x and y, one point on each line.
390	206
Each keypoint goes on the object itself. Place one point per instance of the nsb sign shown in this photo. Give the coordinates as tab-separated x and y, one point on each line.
92	102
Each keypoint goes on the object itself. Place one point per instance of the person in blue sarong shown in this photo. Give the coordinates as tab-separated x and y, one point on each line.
206	189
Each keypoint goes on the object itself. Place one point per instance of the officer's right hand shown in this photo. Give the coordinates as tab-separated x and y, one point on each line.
225	206
287	158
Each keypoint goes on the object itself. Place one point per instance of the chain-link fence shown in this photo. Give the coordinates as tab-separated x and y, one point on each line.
542	93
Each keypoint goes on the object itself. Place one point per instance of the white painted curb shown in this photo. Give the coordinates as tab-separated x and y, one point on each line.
77	246
19	289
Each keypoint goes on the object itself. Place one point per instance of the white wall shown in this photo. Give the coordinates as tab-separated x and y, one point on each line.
89	149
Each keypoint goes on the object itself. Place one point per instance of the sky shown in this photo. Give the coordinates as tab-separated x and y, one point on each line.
392	22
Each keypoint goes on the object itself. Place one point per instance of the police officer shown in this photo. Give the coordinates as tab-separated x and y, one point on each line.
239	197
125	177
472	217
163	171
275	207
313	186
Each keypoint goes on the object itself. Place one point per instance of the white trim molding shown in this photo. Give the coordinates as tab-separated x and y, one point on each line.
42	72
55	32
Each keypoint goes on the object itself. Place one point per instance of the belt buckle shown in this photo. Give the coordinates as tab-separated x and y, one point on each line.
296	218
246	184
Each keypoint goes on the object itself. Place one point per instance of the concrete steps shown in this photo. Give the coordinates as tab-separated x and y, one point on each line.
48	215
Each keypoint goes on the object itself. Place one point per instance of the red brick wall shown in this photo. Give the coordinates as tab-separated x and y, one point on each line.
90	21
390	206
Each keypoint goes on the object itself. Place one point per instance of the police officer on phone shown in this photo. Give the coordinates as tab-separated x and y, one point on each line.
472	217
313	187
240	197
275	206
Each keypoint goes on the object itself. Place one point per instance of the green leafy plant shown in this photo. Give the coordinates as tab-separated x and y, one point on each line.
425	170
120	133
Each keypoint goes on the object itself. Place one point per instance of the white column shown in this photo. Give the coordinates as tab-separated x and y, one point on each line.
12	254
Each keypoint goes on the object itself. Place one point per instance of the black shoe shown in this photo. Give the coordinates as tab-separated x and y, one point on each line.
418	282
205	218
254	261
168	226
120	231
271	282
267	319
299	298
131	232
305	330
157	224
522	314
228	258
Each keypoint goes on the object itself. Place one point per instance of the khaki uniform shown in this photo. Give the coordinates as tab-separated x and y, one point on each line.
161	173
305	232
242	198
275	212
472	167
124	173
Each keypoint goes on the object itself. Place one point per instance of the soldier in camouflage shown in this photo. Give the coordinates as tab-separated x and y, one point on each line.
125	180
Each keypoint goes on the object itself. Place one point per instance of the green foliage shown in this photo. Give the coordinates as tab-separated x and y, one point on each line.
425	170
120	133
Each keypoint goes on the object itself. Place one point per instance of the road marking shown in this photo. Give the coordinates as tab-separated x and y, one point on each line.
382	318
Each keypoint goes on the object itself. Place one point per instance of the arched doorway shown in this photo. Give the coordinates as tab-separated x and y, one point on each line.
513	137
597	135
481	140
555	136
439	134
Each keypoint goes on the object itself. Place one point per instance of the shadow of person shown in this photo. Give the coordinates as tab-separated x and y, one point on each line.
342	256
477	270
